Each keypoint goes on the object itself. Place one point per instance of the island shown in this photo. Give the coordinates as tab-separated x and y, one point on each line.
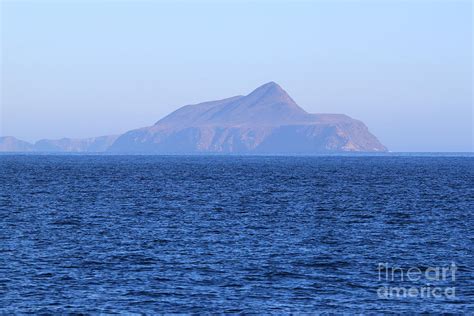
266	121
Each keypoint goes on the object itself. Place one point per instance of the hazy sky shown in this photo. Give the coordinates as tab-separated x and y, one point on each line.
90	68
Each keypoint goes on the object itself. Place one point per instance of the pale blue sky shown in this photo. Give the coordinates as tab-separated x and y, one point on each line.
90	68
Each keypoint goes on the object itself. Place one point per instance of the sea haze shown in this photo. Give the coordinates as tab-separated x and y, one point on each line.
202	234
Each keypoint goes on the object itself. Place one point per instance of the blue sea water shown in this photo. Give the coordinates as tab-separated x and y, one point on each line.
230	234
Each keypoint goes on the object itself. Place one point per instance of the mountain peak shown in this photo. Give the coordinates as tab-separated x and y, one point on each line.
271	87
273	98
271	93
271	84
269	104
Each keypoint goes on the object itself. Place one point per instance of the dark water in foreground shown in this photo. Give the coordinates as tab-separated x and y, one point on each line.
232	234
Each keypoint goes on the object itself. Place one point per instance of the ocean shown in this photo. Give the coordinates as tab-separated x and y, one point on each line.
236	234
